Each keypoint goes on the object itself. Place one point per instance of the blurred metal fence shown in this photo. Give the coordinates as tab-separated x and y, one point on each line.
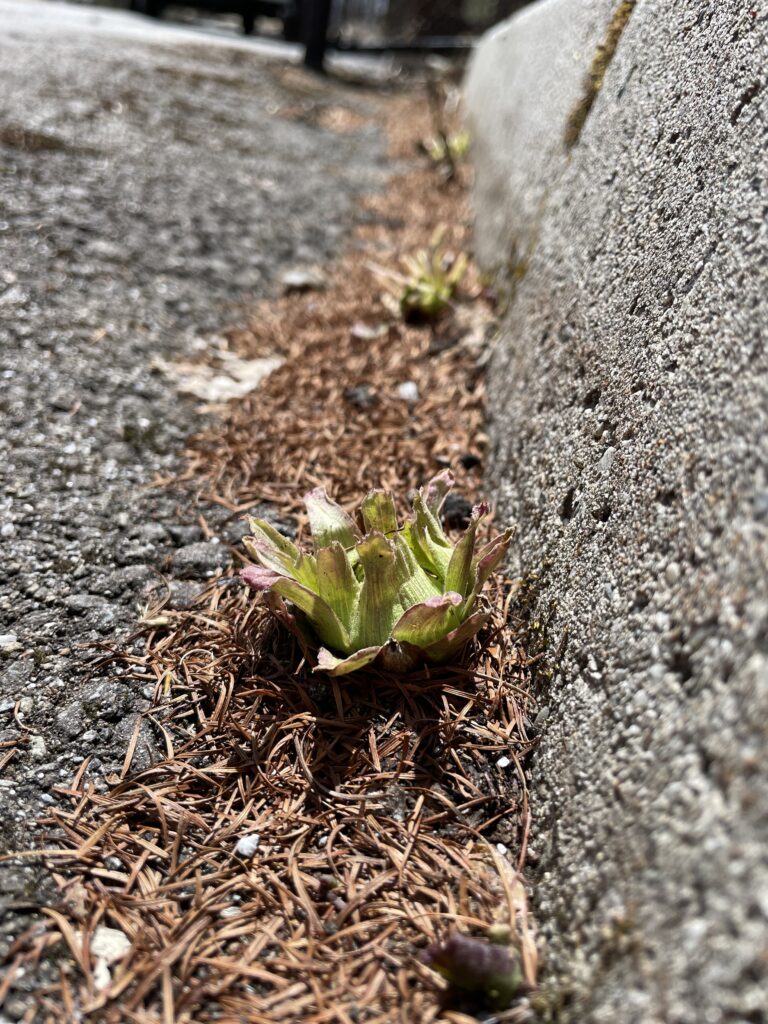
413	21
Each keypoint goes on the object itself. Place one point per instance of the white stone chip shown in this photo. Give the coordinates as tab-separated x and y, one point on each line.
247	846
109	944
37	748
101	977
9	642
408	391
302	279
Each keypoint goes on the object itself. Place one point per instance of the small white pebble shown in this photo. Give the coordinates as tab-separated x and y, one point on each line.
672	573
110	943
8	641
102	977
408	391
503	762
606	461
501	848
302	279
38	749
247	846
7	530
364	332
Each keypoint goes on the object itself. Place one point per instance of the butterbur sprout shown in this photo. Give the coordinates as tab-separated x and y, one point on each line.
431	279
477	966
428	281
392	595
454	147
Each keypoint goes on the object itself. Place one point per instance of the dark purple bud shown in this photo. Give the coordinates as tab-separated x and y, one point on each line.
476	965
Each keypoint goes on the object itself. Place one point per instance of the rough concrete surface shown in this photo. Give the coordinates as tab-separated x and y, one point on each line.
150	190
508	198
629	393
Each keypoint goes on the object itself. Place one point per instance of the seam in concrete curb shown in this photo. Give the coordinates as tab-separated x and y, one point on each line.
600	63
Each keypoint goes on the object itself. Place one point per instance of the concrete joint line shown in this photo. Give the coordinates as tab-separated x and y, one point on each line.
601	61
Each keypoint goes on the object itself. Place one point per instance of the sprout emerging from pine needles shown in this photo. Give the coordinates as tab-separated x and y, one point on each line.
432	279
429	280
394	595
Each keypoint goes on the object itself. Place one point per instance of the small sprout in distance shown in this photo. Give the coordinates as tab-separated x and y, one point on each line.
455	147
433	277
394	595
428	283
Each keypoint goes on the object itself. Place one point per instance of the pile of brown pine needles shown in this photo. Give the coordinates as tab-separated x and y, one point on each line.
388	811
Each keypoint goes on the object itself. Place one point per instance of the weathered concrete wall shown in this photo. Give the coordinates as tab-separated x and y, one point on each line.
630	400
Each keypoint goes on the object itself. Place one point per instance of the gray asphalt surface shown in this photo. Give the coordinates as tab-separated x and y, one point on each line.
150	190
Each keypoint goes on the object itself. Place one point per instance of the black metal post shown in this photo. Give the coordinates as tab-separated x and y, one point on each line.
315	16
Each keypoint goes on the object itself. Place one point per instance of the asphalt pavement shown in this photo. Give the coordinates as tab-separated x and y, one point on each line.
155	182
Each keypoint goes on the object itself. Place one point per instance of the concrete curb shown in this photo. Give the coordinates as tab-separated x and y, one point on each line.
629	403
